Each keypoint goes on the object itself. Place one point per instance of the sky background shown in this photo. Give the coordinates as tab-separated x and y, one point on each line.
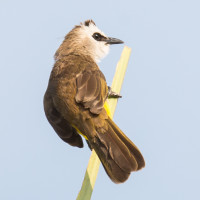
159	111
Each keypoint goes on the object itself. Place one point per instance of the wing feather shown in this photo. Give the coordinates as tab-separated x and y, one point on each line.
91	90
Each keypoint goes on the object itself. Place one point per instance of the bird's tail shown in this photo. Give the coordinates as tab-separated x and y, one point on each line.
117	153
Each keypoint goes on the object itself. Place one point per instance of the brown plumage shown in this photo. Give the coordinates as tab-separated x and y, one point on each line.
75	97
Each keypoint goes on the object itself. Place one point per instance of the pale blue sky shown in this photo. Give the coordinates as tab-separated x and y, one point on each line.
159	111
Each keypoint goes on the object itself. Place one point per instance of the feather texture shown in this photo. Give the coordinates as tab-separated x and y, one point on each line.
91	90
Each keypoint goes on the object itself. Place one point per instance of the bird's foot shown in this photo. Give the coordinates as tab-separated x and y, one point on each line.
112	94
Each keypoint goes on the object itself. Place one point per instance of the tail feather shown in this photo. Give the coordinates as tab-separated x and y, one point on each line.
131	146
117	150
117	153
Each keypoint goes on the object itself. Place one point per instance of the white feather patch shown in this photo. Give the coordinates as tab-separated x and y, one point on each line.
97	49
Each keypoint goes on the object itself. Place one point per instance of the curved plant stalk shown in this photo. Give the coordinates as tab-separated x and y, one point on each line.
94	162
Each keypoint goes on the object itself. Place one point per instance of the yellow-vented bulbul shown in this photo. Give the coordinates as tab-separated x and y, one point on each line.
75	98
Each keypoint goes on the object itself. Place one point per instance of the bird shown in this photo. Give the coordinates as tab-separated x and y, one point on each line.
74	102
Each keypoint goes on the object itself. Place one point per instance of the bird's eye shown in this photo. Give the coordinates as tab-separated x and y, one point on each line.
97	36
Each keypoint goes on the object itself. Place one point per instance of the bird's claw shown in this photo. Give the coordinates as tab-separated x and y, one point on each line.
112	94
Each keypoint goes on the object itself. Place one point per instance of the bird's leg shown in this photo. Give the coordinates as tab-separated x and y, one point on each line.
112	94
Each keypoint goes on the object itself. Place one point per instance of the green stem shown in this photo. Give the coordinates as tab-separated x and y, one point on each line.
94	162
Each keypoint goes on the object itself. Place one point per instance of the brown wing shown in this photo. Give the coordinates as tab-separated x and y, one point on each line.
91	90
66	132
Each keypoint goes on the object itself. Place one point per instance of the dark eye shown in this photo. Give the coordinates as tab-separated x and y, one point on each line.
97	36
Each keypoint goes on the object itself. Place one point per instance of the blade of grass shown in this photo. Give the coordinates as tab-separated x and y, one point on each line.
94	162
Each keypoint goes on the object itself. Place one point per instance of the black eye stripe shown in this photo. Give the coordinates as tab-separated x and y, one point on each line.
98	37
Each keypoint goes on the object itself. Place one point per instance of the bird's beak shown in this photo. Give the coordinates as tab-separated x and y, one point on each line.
111	40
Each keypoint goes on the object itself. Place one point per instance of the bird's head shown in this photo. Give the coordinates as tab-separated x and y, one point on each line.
88	39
